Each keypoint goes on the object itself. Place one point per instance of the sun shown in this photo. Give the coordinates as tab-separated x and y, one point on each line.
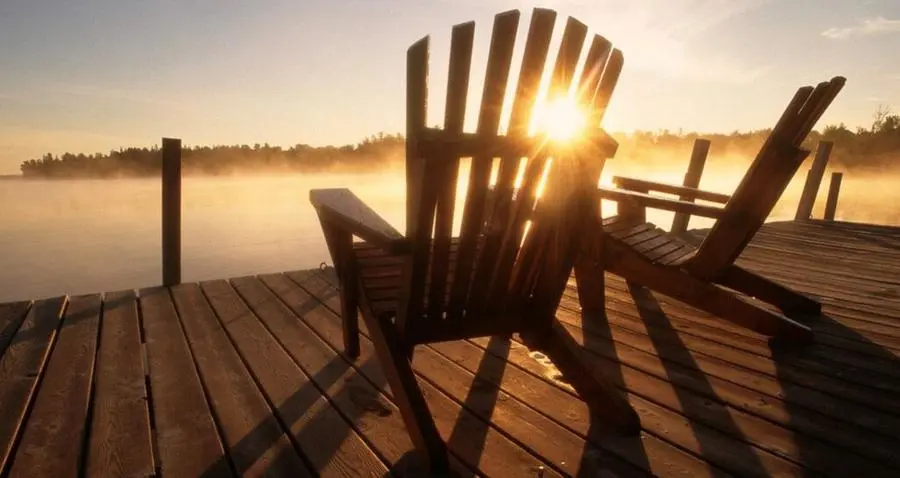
561	119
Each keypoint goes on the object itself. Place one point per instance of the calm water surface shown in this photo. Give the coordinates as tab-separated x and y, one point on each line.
82	236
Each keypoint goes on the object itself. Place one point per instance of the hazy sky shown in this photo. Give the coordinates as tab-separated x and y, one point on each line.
92	75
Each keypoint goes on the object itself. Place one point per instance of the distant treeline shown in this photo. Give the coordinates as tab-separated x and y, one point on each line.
875	147
373	152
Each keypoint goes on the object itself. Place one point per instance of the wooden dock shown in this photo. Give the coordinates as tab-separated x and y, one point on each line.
246	376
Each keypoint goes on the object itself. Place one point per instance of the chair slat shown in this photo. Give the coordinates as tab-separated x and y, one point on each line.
765	181
571	198
592	72
607	86
420	200
534	58
454	116
503	40
832	89
561	84
567	59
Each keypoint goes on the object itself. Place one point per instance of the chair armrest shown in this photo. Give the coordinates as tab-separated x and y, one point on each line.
658	202
684	192
343	209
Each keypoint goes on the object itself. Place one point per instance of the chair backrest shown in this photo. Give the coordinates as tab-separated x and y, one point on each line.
766	179
453	281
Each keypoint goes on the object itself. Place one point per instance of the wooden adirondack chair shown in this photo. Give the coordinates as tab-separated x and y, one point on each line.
500	276
643	254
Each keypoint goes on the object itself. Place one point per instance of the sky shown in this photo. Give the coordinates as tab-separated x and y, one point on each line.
95	75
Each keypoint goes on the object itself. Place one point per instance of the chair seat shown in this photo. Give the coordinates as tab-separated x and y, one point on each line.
646	238
381	272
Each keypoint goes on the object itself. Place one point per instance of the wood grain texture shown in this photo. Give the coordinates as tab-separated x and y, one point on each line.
328	441
21	367
187	440
52	440
364	402
120	439
254	440
495	455
346	211
461	41
499	62
11	317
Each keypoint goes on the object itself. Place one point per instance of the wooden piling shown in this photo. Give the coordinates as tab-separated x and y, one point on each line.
171	211
691	180
834	190
813	179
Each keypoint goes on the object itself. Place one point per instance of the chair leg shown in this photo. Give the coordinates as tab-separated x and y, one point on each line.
598	391
680	285
393	355
591	283
340	246
792	303
589	276
349	291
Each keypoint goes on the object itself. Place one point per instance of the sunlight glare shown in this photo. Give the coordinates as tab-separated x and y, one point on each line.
561	119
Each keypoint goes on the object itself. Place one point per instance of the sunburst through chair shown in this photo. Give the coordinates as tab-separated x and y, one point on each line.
506	270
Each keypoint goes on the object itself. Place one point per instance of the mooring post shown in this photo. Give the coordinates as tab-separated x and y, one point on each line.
691	180
813	179
834	189
171	211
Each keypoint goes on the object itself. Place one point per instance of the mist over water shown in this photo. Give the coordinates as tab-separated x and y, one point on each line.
82	236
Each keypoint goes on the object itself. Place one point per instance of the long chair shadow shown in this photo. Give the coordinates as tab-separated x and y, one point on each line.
13	335
468	436
663	335
789	360
481	399
257	442
785	358
360	390
598	430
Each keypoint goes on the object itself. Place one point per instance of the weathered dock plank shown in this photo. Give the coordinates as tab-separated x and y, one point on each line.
21	366
187	440
120	441
255	442
329	442
57	424
11	317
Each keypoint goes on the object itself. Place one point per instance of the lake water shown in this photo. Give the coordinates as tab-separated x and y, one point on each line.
82	236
